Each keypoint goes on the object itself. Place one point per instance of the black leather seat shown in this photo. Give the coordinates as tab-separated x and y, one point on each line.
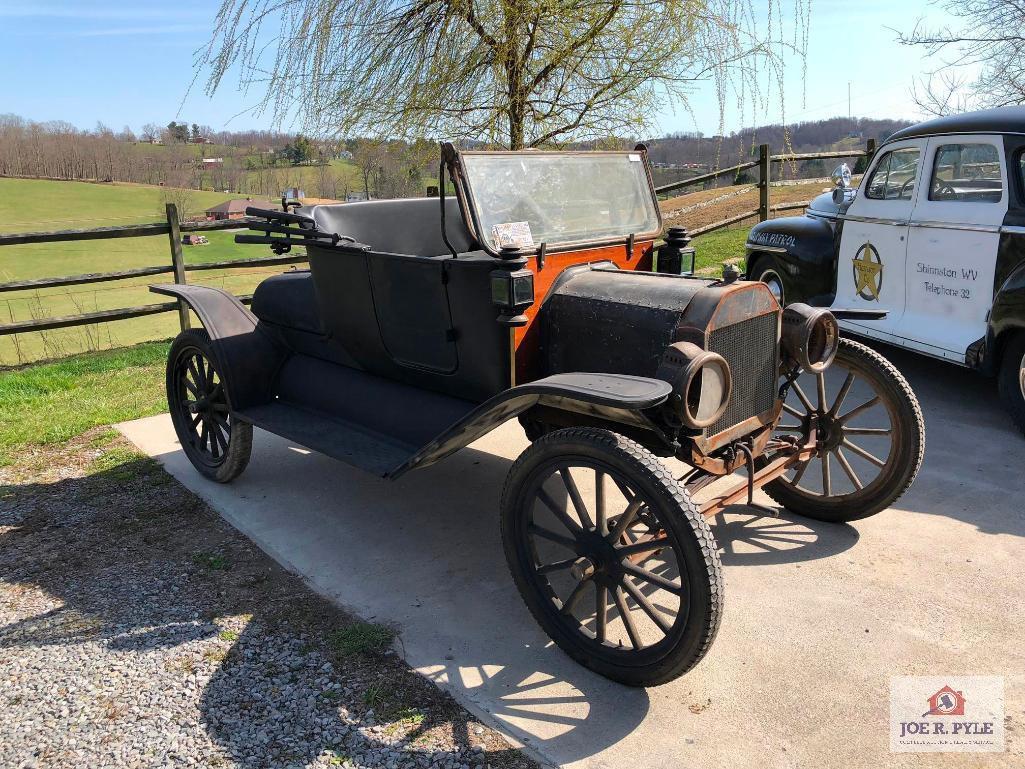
402	226
288	300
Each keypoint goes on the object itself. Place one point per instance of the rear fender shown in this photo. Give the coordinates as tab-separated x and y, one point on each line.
614	398
248	356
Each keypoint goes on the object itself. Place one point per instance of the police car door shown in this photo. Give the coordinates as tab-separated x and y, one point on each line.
952	246
873	244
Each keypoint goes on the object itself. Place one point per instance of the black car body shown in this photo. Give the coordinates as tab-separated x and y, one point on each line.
423	324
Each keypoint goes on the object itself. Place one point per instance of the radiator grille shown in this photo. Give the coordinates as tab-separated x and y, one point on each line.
750	348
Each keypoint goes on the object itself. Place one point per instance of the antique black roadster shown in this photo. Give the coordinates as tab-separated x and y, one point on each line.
422	324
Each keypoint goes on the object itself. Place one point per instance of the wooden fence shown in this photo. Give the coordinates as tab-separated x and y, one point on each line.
764	165
175	266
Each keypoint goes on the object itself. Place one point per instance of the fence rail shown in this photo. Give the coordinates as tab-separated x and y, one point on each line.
176	267
174	228
764	165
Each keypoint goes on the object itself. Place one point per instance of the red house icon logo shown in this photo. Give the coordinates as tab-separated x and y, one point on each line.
946	702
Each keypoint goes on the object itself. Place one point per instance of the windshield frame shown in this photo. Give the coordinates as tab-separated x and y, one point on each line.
471	215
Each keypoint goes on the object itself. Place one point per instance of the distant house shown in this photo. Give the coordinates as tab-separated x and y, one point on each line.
235	208
212	161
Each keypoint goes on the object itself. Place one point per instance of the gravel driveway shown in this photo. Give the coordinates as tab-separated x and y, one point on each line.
138	629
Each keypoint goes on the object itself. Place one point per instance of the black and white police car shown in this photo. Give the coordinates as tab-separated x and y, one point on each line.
934	236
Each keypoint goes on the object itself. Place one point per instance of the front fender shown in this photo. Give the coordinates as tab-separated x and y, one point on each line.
248	356
616	397
803	249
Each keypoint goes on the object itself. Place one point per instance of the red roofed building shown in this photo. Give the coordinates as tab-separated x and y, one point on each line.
235	208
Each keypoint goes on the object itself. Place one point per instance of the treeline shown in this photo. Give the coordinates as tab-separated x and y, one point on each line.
258	163
59	150
810	136
264	163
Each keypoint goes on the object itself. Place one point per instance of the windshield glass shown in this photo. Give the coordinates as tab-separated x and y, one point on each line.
529	198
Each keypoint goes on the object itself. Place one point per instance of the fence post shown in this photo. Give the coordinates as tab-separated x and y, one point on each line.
870	150
764	177
175	236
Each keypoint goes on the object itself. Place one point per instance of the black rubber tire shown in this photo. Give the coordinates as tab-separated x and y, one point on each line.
695	546
761	266
904	461
1009	380
232	461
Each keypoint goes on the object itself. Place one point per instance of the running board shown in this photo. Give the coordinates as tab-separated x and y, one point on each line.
334	437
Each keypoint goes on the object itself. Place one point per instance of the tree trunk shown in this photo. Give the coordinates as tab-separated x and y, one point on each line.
515	129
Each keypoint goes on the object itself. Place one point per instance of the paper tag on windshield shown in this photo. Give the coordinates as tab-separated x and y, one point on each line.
513	235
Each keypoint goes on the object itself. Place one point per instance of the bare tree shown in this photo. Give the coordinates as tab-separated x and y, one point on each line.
982	62
183	198
518	72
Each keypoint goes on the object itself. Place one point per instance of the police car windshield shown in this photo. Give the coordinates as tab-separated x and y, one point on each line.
529	198
894	176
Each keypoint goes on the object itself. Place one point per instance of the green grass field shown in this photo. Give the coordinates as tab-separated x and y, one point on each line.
53	402
35	205
716	247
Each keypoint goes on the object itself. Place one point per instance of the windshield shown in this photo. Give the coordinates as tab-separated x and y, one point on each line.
528	198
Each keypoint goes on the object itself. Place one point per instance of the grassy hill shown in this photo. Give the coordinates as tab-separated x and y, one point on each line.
37	205
32	205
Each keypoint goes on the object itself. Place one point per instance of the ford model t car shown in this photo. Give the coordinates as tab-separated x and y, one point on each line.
935	237
423	324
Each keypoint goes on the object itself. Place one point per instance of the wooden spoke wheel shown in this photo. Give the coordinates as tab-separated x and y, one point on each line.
611	556
869	434
216	443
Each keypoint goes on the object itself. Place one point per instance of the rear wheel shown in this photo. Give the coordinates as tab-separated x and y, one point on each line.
215	442
1012	379
870	436
611	556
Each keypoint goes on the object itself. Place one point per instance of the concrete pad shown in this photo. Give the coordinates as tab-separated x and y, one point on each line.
818	617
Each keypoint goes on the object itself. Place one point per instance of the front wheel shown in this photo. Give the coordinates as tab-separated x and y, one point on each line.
764	270
611	556
216	443
1012	379
869	433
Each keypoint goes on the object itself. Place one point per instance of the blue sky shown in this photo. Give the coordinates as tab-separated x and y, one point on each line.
131	63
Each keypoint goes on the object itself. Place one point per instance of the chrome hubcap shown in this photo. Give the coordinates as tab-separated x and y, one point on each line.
1021	377
771	279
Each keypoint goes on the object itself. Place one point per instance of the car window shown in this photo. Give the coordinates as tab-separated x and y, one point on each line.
966	173
894	177
1021	168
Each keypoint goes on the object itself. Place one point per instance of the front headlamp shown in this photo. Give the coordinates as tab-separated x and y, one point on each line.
810	337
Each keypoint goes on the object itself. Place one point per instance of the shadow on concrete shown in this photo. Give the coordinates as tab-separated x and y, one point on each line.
748	538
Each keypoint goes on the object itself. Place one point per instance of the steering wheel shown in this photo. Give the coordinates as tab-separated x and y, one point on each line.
903	188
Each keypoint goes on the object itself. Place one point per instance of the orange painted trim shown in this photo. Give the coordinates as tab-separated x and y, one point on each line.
527	338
